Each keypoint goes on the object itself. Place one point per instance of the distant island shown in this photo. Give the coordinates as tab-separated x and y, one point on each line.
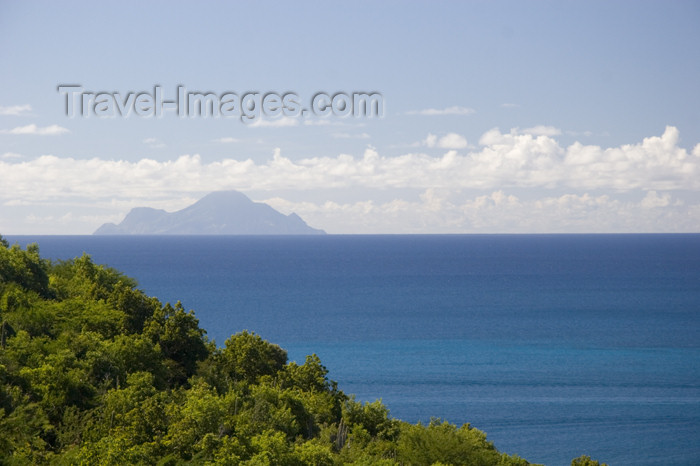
218	213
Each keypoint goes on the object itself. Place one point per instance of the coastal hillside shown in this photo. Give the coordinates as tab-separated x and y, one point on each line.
218	213
93	371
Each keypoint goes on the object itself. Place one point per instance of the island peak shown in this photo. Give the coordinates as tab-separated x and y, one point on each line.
217	213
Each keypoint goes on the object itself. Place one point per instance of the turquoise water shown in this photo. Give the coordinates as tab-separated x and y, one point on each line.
555	345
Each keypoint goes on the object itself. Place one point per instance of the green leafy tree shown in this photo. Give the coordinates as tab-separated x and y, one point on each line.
585	460
200	412
180	338
247	357
24	267
444	442
82	277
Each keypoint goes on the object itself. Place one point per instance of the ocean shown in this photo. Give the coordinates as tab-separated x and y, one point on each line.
554	345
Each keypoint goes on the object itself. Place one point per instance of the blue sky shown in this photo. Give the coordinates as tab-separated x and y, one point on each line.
498	116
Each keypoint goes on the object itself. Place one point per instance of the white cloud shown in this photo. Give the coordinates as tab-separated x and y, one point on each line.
11	155
322	122
317	123
653	200
16	110
452	141
350	136
439	211
503	161
282	122
328	121
455	110
656	163
226	140
34	129
541	130
154	143
449	141
561	181
509	105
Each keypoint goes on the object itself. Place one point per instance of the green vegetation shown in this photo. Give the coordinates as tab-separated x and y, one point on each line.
93	371
585	460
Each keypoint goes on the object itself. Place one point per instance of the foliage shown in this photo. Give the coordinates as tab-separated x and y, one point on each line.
93	371
585	460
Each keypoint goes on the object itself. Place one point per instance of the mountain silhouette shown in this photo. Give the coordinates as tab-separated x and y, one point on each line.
218	213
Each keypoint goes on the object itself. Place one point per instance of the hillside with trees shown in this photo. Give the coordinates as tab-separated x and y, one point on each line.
93	371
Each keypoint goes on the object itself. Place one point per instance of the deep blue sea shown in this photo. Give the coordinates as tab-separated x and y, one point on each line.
555	345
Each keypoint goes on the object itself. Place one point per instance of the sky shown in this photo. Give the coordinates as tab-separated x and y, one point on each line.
492	117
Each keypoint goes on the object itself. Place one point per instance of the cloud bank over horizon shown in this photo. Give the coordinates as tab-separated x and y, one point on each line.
519	181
